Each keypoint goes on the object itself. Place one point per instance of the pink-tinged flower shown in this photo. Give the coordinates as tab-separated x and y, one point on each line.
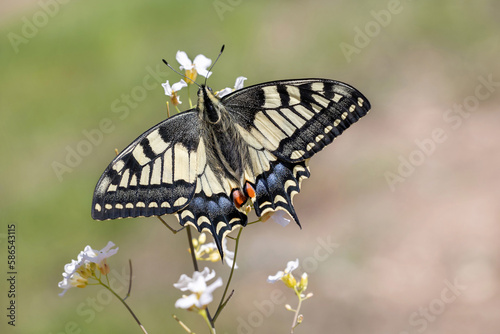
89	260
281	217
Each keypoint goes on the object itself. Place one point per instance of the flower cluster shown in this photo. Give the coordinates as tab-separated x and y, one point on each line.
288	278
299	287
191	69
201	294
208	251
87	264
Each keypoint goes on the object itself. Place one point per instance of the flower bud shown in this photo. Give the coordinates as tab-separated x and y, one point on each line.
303	283
289	280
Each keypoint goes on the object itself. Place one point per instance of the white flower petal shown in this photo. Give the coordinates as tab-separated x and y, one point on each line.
206	248
197	283
201	63
167	88
186	301
207	275
88	255
291	266
183	282
64	284
178	85
97	256
224	92
204	73
63	293
183	59
206	297
217	284
108	249
275	278
70	268
229	255
239	83
281	217
202	295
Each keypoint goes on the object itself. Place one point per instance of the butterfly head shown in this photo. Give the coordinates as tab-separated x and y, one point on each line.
208	105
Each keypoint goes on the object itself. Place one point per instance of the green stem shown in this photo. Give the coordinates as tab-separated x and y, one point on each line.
294	324
126	305
191	248
195	264
206	316
222	303
189	96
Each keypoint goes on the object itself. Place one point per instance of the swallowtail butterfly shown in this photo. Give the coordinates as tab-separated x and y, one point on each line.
207	164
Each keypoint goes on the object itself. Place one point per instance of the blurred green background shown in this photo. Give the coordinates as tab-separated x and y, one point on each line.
408	197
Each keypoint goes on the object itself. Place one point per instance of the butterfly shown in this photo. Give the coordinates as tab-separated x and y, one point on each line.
209	164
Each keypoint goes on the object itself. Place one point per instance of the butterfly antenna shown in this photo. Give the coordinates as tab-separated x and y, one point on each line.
210	69
182	75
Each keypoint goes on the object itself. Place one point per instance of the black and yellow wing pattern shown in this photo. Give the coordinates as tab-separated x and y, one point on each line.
207	165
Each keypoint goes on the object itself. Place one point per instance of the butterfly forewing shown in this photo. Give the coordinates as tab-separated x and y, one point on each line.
294	119
154	175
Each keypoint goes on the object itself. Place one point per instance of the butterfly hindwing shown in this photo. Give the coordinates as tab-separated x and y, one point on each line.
276	187
211	208
294	119
154	175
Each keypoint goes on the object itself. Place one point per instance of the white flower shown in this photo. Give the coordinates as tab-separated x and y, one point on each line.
211	250
281	217
228	255
98	256
202	293
291	266
199	65
237	85
175	87
187	283
172	90
77	272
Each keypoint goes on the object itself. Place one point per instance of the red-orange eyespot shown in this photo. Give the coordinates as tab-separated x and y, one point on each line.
249	190
238	198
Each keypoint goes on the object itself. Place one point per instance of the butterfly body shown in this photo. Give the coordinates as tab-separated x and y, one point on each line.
208	164
226	150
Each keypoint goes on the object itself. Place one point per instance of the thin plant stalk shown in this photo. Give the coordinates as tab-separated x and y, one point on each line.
296	317
126	305
222	303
